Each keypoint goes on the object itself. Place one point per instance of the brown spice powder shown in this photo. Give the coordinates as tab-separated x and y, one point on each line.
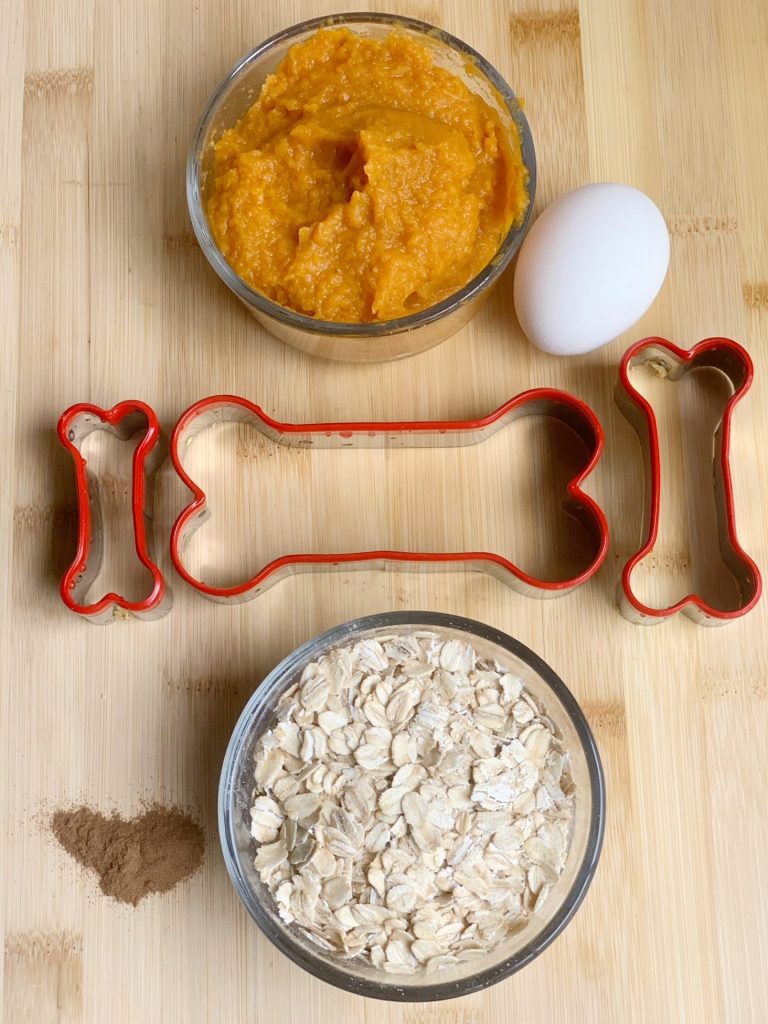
133	858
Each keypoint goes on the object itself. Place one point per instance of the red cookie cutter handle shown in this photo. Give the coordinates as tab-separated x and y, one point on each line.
123	420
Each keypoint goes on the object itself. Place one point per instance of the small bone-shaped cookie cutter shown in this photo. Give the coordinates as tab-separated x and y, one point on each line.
733	361
123	420
541	401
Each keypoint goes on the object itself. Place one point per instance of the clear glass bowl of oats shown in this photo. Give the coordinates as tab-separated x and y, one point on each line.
412	806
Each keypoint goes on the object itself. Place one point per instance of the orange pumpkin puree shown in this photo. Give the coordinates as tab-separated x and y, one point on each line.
366	183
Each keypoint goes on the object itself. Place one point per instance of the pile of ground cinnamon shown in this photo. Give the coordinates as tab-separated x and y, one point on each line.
133	858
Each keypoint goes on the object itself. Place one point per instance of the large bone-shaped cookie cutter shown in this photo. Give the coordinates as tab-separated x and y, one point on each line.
733	361
123	420
542	401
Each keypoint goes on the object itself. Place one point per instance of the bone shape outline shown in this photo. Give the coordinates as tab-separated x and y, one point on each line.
733	361
539	401
124	420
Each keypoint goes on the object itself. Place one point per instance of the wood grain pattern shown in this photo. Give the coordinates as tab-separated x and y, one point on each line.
43	978
105	296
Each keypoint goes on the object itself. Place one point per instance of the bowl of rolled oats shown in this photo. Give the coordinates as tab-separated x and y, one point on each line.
412	806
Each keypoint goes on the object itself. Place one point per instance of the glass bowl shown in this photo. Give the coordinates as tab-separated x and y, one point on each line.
353	342
540	929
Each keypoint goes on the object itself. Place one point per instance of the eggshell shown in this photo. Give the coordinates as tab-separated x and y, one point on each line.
589	268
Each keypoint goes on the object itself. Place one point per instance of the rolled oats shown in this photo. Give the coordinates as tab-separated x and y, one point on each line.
412	805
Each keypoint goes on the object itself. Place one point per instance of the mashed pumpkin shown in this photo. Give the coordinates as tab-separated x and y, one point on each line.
366	183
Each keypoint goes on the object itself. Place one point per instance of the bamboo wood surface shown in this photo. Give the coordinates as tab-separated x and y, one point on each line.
106	296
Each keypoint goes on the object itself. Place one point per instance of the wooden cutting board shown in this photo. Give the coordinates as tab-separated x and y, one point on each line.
105	296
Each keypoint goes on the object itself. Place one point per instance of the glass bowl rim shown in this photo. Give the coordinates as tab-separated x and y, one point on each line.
431	991
379	328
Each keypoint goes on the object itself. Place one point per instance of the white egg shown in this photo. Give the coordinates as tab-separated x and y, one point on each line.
589	268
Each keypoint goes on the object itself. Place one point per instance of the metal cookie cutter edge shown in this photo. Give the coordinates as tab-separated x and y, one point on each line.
124	420
540	401
734	362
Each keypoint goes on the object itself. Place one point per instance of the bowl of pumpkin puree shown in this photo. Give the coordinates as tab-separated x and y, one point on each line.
360	182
